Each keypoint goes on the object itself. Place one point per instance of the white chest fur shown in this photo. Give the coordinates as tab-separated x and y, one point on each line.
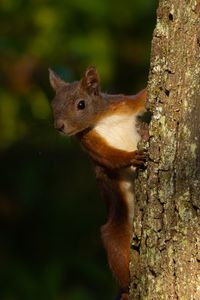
119	131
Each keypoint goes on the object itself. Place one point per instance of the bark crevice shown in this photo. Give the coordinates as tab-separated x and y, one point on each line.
167	219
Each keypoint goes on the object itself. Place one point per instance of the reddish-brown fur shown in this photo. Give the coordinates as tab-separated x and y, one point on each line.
107	156
116	233
122	104
109	161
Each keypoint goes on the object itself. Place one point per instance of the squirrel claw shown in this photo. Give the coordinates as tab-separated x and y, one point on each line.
139	158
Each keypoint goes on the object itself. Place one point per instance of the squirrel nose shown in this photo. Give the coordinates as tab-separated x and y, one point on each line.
59	125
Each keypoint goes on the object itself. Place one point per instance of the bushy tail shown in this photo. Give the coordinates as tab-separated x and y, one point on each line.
116	241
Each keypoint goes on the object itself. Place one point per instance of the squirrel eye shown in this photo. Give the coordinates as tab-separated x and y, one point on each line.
81	104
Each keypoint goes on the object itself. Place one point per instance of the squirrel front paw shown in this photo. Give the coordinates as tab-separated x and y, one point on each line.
139	158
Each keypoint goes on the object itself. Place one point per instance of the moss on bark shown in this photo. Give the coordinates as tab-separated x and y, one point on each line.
166	230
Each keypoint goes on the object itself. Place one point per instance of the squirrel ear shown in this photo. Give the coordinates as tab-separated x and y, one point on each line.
91	81
55	81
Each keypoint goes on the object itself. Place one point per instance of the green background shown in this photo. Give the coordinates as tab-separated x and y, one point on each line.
50	208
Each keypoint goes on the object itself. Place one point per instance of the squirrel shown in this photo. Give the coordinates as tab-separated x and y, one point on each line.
106	126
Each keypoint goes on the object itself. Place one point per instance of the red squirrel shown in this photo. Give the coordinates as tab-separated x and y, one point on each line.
106	128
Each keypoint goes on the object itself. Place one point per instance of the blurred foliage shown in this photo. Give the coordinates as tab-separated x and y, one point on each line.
50	208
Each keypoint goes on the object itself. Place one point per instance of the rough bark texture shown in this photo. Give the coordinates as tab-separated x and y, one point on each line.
165	261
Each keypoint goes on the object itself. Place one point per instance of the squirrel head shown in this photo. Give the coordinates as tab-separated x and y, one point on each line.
76	105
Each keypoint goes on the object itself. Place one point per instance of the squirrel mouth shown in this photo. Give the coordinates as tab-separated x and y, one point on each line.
72	132
64	133
76	132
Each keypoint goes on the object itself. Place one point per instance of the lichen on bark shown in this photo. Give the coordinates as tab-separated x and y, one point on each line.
165	258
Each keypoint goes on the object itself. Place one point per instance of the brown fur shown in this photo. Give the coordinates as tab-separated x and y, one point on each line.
116	232
107	156
123	104
109	161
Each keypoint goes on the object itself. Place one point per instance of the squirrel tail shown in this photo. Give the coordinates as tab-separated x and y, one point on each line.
117	244
116	233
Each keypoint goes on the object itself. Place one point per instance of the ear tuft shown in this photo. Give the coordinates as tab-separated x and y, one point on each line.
55	81
91	81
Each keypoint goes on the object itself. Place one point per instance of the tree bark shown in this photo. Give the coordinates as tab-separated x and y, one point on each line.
165	258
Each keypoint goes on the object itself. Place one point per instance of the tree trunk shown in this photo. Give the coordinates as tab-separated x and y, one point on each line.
165	258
